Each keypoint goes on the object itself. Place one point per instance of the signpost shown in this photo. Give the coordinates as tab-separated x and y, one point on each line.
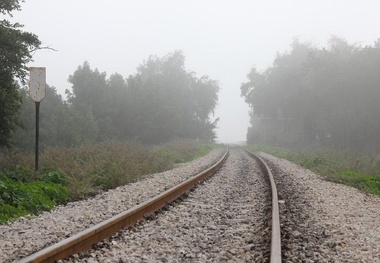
37	90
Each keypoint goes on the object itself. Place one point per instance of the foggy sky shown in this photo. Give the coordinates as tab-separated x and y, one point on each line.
219	38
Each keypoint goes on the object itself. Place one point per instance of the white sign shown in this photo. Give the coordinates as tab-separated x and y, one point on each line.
37	83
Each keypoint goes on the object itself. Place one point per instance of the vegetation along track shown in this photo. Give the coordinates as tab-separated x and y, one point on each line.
225	219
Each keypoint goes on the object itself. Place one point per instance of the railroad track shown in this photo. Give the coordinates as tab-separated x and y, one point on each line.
85	239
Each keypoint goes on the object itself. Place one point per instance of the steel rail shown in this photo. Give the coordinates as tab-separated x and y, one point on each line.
275	251
85	239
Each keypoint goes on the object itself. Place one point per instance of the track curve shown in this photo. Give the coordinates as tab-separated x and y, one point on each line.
83	240
87	238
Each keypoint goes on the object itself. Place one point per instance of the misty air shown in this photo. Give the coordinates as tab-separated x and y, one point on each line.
189	131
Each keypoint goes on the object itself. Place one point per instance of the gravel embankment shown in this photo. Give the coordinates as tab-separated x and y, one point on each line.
324	221
225	219
26	236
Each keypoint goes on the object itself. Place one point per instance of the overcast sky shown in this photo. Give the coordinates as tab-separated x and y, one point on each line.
219	38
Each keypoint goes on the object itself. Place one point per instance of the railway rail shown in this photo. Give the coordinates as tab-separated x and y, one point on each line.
276	230
85	239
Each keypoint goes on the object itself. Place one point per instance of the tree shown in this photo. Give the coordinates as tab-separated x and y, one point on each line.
169	102
92	93
90	96
205	94
60	123
162	101
330	94
16	49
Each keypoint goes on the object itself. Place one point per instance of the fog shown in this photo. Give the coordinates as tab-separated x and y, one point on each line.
221	39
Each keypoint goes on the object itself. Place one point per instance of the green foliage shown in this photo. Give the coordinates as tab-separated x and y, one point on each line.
16	47
18	173
55	177
313	161
10	102
367	183
18	198
7	6
24	192
8	212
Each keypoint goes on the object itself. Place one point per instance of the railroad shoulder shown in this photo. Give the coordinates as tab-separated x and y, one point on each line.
345	217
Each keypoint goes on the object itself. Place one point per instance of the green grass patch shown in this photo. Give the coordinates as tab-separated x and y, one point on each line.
340	166
19	199
366	183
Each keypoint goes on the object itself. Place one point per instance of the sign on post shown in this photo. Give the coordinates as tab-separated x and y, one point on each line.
37	91
37	83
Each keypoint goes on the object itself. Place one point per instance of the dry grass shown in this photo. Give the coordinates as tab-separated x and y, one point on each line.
91	169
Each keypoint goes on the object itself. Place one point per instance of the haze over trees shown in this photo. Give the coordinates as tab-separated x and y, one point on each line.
331	94
162	101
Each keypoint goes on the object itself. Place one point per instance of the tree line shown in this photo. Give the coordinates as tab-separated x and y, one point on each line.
160	102
331	93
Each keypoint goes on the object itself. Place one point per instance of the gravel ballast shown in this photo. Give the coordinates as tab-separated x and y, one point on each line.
321	221
324	221
225	219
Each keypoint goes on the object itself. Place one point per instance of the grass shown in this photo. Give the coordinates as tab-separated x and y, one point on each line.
340	166
182	150
69	174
